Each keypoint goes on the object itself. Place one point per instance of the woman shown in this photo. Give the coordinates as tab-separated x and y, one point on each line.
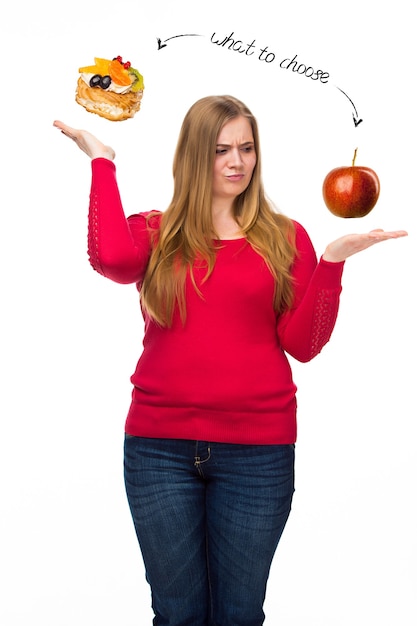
227	287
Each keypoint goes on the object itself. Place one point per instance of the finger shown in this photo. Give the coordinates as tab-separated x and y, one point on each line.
65	129
377	237
61	125
400	233
379	233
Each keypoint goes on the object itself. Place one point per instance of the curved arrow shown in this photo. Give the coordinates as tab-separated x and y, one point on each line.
163	45
355	116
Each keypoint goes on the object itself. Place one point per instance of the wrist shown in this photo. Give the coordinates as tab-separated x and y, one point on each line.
331	257
103	154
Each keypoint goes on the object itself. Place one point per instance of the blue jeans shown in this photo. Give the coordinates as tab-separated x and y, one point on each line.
208	517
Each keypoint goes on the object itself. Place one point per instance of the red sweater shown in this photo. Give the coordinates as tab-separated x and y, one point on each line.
224	376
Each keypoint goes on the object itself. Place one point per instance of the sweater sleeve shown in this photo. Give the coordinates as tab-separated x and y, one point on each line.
118	247
306	328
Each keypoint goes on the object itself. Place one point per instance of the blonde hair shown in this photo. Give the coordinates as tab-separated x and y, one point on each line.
186	231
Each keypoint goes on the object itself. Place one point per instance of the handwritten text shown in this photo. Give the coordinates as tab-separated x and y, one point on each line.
264	54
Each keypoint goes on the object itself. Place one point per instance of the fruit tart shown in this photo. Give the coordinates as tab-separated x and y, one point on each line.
111	88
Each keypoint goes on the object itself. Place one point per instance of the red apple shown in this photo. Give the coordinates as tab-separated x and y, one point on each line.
351	191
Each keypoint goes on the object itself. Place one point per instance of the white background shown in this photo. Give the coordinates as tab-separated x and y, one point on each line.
70	339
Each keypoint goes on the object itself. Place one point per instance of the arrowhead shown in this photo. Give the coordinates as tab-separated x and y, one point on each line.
356	121
161	45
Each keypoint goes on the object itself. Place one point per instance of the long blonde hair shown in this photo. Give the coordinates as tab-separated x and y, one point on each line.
186	230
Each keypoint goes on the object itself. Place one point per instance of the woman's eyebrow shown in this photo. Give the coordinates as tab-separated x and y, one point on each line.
244	143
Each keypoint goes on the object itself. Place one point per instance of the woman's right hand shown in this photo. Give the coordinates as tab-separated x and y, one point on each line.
86	142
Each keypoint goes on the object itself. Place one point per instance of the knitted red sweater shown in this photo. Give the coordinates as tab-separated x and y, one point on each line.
224	376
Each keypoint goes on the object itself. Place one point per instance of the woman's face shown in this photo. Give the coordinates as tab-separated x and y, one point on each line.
234	161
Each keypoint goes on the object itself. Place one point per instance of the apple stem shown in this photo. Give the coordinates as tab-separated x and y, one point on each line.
354	157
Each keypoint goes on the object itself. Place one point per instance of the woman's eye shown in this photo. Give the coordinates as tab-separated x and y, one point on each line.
244	149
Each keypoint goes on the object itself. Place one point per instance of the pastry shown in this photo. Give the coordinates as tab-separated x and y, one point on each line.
111	88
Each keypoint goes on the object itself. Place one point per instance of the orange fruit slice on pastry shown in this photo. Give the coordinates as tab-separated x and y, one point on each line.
118	73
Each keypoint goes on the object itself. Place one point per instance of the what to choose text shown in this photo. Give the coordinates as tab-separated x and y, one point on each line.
264	54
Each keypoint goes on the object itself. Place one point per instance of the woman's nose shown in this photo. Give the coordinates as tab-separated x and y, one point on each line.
235	157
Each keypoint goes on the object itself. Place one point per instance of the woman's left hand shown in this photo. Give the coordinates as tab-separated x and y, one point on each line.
348	245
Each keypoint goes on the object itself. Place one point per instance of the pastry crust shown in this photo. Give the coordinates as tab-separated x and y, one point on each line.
112	106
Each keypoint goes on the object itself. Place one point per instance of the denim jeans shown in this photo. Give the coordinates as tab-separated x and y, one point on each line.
208	518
